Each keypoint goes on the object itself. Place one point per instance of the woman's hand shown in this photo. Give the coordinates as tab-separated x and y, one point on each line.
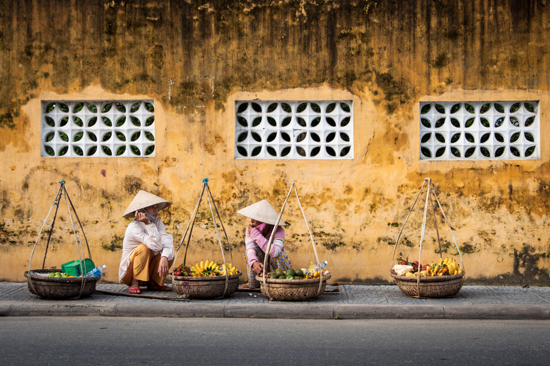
163	267
140	216
249	229
258	268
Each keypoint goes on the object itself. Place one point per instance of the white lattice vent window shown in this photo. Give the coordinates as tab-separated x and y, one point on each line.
98	128
479	130
293	129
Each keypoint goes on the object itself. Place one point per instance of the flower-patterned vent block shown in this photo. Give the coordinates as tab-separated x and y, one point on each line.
480	130
98	128
293	129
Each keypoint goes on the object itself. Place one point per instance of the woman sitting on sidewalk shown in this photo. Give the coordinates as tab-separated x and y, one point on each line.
147	250
262	220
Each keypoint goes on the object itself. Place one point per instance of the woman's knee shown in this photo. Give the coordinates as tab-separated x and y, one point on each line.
142	254
143	250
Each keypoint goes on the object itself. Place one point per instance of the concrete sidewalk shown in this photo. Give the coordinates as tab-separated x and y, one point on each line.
352	302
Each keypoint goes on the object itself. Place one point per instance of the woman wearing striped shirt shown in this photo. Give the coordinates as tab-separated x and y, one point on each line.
262	220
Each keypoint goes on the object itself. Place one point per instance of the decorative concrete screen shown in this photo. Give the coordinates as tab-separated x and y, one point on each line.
293	129
96	128
479	130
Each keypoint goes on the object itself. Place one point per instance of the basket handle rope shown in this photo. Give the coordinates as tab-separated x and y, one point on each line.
78	243
56	204
312	242
405	223
81	227
432	204
190	226
270	241
450	229
82	267
221	223
422	238
210	203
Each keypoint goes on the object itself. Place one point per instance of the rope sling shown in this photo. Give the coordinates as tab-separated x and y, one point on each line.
190	226
62	191
272	236
431	196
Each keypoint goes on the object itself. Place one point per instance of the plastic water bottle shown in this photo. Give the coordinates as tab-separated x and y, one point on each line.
314	270
315	267
96	272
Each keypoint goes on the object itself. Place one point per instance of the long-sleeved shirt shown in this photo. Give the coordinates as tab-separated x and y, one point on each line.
154	236
254	239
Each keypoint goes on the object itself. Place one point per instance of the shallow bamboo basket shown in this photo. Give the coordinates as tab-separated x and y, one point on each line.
58	288
292	290
432	287
204	287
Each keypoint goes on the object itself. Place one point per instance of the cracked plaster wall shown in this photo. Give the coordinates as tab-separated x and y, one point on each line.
196	58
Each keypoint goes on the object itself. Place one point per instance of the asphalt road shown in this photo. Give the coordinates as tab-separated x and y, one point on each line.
164	341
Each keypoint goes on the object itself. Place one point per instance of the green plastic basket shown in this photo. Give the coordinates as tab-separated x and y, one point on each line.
73	267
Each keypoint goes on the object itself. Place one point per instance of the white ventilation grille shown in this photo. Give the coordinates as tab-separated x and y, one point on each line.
293	129
98	128
479	130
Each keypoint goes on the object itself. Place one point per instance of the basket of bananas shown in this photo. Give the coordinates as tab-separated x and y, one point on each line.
442	279
205	280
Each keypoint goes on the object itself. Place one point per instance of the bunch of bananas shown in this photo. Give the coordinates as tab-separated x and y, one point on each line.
211	268
443	267
447	266
205	269
230	269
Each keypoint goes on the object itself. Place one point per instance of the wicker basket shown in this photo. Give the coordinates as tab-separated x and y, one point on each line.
433	287
292	290
204	287
57	288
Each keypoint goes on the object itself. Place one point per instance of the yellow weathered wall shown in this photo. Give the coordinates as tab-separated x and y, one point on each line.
195	59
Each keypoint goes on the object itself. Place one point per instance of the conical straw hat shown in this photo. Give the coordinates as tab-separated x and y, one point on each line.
142	200
261	211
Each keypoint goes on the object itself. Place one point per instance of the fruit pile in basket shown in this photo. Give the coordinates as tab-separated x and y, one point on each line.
444	267
60	275
205	269
298	274
289	274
